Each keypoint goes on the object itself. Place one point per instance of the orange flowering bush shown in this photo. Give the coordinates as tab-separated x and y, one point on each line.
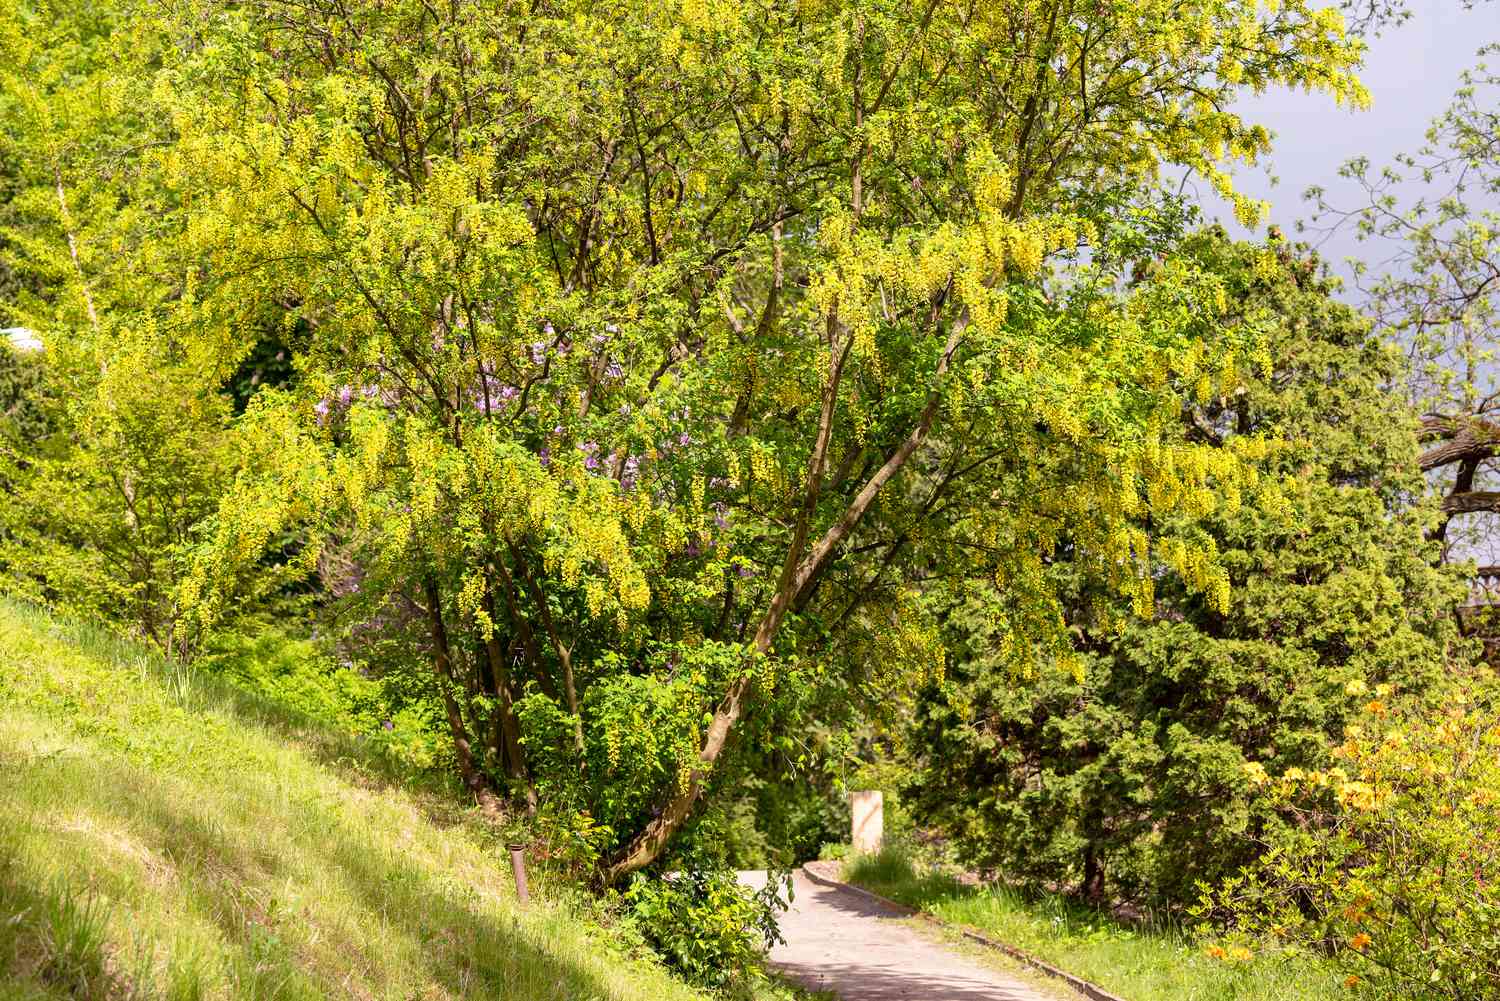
1393	866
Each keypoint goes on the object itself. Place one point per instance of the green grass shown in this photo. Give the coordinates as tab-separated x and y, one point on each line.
163	835
1137	964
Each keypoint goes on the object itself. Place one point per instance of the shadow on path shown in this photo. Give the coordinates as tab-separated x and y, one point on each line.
861	950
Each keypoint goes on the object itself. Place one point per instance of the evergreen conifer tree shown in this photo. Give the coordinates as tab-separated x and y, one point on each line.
1133	780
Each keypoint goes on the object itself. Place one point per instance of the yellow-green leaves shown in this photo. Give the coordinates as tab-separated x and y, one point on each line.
653	324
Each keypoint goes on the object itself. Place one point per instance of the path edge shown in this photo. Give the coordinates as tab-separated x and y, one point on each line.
1089	990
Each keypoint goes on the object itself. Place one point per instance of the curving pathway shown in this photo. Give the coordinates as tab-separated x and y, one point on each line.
841	941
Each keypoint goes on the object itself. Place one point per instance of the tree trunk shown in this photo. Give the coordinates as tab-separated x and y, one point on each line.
524	631
1472	502
1470	436
1092	887
1463	483
563	651
505	714
442	662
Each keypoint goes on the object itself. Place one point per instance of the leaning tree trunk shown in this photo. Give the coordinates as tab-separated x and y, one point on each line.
797	574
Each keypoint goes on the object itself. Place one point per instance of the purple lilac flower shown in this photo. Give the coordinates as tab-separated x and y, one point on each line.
545	455
346	394
538	352
613	370
388	725
499	391
744	571
547	329
321	409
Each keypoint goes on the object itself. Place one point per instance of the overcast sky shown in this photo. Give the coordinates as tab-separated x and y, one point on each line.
1411	73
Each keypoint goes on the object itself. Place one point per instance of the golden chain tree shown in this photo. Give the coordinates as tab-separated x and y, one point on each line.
644	324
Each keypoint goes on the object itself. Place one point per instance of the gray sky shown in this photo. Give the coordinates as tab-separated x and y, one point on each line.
1411	73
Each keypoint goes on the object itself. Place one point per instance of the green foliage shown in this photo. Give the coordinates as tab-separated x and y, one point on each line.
641	733
706	924
1392	866
834	851
101	516
105	507
302	677
1127	781
781	820
23	415
269	363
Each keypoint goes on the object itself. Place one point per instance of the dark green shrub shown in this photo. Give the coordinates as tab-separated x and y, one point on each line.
23	416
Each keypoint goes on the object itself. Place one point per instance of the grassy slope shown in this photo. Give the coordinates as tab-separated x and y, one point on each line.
161	836
1137	965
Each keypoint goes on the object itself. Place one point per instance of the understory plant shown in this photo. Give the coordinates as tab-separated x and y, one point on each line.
709	926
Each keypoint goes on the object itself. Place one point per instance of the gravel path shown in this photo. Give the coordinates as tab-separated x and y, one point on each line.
842	941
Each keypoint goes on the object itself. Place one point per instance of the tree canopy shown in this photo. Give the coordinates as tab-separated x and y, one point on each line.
660	354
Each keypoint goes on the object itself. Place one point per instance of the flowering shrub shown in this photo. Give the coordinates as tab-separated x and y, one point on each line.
1392	867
